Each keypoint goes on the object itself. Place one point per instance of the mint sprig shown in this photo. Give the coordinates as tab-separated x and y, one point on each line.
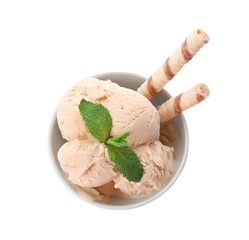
97	119
127	162
119	141
99	122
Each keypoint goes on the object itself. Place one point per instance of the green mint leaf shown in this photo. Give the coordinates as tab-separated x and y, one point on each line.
119	141
97	119
121	137
122	143
127	162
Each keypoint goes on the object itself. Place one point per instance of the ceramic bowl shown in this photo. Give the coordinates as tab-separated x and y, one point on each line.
132	81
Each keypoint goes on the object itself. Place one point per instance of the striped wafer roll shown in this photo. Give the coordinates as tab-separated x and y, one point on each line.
192	44
176	105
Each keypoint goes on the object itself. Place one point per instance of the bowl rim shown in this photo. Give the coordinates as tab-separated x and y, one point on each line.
131	205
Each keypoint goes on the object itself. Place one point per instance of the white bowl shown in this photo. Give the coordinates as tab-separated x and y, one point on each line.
132	81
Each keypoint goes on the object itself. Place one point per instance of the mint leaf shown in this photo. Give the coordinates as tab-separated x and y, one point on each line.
122	143
127	162
99	122
97	119
121	137
119	141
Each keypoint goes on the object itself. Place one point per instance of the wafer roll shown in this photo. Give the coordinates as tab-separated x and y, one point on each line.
176	105
192	44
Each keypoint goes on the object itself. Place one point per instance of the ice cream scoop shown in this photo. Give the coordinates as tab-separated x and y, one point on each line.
100	195
130	111
86	163
157	160
68	116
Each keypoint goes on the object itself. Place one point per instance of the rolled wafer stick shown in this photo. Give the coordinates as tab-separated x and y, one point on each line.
192	44
176	105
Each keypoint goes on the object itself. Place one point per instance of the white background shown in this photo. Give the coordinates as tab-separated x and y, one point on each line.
45	46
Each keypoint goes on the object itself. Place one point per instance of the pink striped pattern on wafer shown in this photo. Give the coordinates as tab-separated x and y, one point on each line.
174	63
180	103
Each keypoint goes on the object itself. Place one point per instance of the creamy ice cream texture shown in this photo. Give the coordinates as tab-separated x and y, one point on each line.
87	162
157	161
130	111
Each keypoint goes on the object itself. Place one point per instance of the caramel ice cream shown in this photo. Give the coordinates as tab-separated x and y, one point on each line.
86	163
148	164
157	160
130	111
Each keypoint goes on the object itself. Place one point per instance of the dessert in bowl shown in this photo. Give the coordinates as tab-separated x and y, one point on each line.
91	167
